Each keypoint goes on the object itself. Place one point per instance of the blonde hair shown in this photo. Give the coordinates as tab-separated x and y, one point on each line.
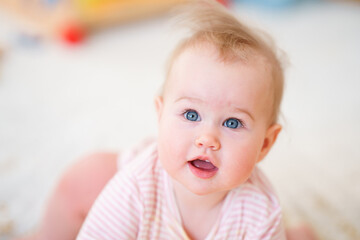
210	22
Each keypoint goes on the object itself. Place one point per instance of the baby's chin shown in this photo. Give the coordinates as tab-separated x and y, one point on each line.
213	194
203	189
206	188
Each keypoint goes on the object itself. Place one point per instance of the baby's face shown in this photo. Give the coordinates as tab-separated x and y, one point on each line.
213	120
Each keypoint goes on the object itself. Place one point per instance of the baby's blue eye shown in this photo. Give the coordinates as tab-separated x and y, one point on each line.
192	115
232	123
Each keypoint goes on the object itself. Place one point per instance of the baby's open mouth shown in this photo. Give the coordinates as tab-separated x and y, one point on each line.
202	168
203	165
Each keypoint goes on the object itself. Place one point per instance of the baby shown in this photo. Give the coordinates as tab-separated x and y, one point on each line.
217	117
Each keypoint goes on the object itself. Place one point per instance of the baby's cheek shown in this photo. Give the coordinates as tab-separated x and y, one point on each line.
165	158
168	141
242	161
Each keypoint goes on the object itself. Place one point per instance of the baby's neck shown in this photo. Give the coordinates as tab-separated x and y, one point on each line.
198	213
188	199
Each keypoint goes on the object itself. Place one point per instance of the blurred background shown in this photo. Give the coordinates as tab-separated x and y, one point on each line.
79	76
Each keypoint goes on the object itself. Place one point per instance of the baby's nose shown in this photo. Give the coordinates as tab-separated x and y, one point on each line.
208	141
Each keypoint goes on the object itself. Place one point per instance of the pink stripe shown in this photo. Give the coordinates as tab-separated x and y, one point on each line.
251	199
98	229
120	215
273	226
251	194
109	225
250	208
101	234
118	206
125	184
145	178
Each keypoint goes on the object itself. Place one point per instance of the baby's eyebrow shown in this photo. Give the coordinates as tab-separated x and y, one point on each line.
240	110
192	99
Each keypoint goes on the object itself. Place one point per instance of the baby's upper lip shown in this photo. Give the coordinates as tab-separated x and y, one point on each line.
203	158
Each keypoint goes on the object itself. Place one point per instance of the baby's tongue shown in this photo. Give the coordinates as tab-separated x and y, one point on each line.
203	164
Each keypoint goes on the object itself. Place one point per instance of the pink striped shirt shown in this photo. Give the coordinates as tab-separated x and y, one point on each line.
138	203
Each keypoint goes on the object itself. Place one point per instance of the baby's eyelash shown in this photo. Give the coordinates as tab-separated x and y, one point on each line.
233	123
182	113
191	115
187	110
242	122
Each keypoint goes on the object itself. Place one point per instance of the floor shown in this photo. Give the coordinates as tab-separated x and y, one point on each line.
58	103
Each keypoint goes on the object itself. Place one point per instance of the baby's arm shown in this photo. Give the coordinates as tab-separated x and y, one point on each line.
116	212
73	196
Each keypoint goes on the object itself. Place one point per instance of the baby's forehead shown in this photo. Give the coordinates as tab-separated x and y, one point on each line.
197	53
186	58
206	62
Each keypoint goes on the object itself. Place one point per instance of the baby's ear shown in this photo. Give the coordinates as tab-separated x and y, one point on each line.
269	140
159	102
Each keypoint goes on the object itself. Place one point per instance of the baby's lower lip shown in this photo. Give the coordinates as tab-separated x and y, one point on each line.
201	172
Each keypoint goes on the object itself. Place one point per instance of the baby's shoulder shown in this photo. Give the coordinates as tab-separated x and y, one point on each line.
139	168
253	208
256	194
140	165
139	158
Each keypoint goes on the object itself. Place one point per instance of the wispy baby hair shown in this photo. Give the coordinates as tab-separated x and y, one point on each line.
210	22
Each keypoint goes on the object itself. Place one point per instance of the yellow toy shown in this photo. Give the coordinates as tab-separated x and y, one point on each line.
71	20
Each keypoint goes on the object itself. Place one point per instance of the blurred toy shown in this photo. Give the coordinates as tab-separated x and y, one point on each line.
72	20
